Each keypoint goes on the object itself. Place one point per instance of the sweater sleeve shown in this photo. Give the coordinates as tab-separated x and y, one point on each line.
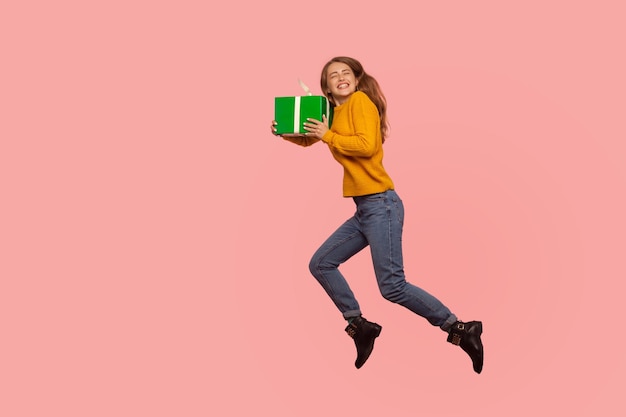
366	122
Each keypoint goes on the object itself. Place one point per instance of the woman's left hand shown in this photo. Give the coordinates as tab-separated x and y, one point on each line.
315	128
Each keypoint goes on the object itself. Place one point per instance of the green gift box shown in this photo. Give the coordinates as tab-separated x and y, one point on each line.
291	112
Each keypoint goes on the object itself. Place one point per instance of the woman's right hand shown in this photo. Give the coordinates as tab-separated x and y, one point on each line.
286	135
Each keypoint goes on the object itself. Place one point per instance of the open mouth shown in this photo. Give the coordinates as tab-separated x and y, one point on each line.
341	86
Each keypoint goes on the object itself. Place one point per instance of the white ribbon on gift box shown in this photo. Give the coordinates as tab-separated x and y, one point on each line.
296	109
296	116
305	88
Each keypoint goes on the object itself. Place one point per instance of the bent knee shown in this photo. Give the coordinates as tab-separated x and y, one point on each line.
393	294
314	265
320	262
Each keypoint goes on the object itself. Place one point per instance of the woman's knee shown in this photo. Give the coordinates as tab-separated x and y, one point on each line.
319	262
393	293
316	263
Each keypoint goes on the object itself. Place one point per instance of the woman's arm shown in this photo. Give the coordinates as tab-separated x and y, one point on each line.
366	123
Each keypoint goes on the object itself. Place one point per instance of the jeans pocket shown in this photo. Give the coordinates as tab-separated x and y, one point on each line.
399	209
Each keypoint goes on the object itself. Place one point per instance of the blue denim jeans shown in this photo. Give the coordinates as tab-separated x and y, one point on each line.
378	223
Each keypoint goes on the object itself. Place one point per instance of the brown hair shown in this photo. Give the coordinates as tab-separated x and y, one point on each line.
366	84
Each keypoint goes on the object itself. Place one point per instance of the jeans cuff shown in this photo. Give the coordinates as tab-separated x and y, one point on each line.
447	325
351	314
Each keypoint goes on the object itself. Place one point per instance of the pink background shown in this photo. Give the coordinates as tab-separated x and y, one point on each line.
154	236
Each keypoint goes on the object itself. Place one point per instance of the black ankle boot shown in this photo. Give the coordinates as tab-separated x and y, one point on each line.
363	332
467	335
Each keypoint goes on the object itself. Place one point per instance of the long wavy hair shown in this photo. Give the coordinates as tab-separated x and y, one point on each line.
366	83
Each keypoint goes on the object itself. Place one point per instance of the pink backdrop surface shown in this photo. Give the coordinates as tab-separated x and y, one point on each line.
154	236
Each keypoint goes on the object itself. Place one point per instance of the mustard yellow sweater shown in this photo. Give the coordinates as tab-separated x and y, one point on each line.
354	140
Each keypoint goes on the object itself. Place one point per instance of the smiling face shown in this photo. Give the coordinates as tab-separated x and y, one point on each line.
341	82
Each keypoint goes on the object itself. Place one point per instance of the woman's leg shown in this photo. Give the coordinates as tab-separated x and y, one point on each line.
381	218
345	242
338	248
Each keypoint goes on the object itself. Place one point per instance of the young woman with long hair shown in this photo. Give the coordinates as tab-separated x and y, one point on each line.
355	140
